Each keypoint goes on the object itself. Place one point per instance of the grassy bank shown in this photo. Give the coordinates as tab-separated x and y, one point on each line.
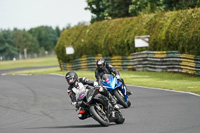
171	81
36	62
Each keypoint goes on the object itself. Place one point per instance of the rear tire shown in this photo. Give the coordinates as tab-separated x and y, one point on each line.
121	99
97	117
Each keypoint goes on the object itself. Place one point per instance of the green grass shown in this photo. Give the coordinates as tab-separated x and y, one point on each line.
171	81
36	62
163	80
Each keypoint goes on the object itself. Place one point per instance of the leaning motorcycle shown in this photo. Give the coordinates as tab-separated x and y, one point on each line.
117	89
93	104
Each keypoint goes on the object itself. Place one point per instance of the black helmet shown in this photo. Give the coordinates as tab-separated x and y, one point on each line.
71	77
100	63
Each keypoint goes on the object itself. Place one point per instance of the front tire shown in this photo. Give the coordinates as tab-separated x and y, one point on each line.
129	103
120	119
121	99
102	119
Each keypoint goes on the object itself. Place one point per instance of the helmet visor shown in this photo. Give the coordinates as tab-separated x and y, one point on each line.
100	66
70	80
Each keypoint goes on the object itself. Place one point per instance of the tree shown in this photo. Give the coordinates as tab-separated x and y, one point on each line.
58	31
24	40
47	37
181	4
7	48
6	36
146	6
152	6
108	9
8	51
118	8
68	26
96	7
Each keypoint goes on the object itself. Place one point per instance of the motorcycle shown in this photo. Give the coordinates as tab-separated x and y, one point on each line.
93	104
117	89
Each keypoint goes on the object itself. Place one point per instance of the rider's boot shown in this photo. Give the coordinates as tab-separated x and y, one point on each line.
128	91
113	102
110	97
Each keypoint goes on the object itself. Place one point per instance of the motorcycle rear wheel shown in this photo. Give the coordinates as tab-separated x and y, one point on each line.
96	115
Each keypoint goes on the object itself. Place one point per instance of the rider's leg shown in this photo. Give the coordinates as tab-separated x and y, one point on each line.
127	90
106	93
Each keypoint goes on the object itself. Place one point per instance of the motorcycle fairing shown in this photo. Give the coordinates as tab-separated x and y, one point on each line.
112	83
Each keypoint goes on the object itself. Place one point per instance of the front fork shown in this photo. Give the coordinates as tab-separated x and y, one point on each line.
124	91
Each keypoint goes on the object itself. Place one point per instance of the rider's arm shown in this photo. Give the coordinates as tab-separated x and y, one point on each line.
112	69
86	81
71	94
98	78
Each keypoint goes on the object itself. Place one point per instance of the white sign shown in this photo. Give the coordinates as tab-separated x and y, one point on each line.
142	41
69	50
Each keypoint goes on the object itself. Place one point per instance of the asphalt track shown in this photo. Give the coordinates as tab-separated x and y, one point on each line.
40	104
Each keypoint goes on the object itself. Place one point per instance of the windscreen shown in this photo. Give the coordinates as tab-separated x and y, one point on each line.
106	77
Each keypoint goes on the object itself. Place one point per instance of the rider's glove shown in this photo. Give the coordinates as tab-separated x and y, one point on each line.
118	77
101	89
95	84
73	103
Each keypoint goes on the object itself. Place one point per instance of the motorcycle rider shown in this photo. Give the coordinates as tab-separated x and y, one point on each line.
105	68
77	84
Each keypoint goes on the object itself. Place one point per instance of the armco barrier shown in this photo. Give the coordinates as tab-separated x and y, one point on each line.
160	61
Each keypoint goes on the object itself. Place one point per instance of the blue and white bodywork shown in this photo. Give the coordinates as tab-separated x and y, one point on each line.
113	85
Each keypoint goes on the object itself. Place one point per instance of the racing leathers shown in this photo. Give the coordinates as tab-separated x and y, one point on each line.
109	69
84	83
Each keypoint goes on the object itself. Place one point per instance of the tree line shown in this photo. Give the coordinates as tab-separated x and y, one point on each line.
110	9
44	38
35	41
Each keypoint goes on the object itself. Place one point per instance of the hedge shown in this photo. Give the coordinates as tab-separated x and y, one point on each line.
169	31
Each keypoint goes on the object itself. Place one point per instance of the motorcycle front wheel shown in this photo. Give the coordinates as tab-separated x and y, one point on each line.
120	97
99	116
120	118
